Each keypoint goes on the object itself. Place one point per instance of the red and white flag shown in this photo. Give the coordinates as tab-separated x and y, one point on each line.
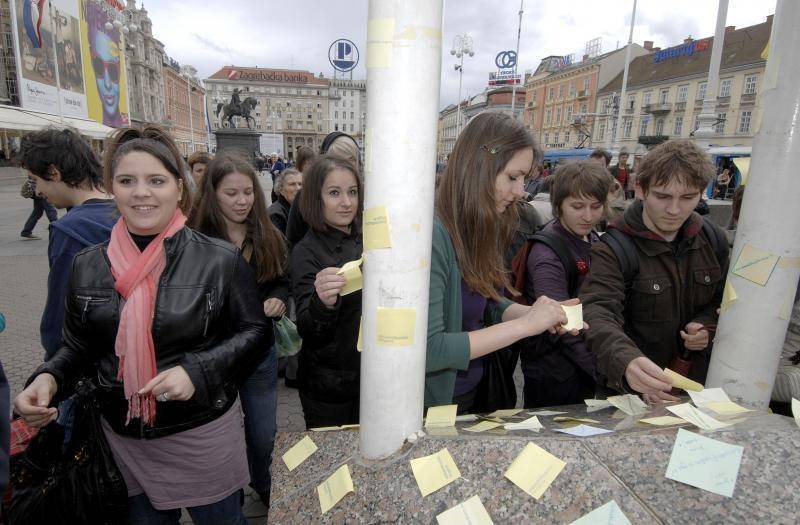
232	74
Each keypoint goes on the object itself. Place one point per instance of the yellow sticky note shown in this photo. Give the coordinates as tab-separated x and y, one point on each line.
483	426
728	296
743	164
755	265
471	512
435	471
574	317
663	421
629	403
299	453
695	417
506	412
442	431
789	262
352	272
360	341
678	381
534	470
380	37
726	408
396	326
376	228
335	488
441	416
575	419
796	411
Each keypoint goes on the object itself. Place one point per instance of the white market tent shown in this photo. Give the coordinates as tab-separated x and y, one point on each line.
18	119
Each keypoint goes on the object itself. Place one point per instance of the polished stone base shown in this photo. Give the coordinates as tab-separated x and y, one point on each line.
244	140
627	466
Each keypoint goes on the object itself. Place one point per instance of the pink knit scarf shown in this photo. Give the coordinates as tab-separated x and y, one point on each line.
137	274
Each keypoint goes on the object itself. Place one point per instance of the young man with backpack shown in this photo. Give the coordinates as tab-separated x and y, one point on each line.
657	278
560	370
68	174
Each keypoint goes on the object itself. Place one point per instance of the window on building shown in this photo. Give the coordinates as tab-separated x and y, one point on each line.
683	92
550	94
336	114
548	117
586	84
719	127
558	136
631	101
336	103
560	95
547	138
678	126
601	131
643	125
744	122
288	124
571	89
319	106
351	128
352	115
319	128
533	120
583	108
566	137
569	114
659	126
750	84
351	103
558	116
626	132
606	105
725	87
701	91
663	97
646	98
336	127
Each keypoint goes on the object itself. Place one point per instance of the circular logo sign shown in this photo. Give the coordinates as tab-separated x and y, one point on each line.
343	55
505	59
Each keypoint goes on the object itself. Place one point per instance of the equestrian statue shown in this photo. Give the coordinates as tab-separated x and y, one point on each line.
235	108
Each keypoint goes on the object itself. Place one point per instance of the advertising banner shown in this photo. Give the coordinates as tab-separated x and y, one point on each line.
103	65
47	37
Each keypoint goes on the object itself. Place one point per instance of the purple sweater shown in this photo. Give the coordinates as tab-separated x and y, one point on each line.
546	276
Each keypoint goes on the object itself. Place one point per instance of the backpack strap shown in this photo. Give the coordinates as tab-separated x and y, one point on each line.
556	243
519	271
713	238
625	252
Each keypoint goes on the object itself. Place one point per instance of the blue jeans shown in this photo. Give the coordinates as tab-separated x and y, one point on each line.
259	396
40	206
225	512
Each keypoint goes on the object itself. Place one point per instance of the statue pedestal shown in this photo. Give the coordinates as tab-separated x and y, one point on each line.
246	141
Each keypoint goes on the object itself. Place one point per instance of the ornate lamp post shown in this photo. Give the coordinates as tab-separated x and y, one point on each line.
462	45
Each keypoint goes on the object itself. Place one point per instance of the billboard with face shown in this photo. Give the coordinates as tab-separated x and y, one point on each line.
103	65
47	37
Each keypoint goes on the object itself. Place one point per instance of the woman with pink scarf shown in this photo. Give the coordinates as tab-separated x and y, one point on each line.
164	320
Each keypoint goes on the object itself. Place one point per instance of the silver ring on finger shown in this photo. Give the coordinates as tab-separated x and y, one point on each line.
164	396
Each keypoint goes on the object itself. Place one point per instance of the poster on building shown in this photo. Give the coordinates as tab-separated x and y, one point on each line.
47	41
103	64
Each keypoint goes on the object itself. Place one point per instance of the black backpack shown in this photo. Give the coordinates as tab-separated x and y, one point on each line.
625	251
519	265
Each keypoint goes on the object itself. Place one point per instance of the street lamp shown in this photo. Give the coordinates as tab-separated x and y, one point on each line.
189	72
462	45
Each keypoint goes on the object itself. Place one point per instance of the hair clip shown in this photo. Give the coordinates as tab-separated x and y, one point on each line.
494	151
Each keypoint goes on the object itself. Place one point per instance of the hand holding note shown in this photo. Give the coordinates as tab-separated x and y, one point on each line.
328	284
544	315
646	377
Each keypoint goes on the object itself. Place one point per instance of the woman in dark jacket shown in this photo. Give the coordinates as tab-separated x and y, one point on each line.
164	337
231	206
328	376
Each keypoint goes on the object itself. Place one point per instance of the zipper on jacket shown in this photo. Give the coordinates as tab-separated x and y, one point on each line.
88	300
208	313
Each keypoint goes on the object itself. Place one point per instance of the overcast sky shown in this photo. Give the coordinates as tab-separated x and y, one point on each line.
296	34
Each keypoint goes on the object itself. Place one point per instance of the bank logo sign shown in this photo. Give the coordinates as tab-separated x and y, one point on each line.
343	55
505	59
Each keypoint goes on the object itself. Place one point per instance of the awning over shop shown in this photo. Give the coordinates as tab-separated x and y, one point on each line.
17	119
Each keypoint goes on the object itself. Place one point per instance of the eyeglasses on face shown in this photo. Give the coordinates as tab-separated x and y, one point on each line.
101	67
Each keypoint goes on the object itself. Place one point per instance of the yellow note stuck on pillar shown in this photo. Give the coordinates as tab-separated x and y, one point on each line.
376	228
396	326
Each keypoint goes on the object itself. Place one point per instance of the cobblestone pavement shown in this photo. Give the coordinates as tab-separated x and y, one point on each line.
23	286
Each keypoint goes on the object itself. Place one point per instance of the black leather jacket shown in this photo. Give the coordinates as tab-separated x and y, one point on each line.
329	363
208	319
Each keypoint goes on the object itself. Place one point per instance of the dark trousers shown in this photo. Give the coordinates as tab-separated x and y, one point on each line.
465	401
227	511
40	206
319	413
546	391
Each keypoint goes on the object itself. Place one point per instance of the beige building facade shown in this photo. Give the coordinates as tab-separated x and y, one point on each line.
666	90
185	107
144	59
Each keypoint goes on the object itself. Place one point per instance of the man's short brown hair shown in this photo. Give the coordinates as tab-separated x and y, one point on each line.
201	157
682	161
580	179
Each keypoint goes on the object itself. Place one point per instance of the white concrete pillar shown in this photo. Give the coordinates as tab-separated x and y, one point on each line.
752	329
708	115
622	96
404	44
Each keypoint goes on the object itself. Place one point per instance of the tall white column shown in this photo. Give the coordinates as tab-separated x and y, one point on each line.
708	115
752	329
404	44
616	133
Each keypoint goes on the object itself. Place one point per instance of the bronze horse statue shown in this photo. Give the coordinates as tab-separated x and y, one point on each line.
244	109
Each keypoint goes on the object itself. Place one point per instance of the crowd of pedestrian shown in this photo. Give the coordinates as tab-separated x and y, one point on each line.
166	280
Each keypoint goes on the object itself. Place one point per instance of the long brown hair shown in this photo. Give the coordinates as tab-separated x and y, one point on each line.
269	248
154	141
465	201
311	205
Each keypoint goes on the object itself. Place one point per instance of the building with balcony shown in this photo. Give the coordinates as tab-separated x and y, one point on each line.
185	107
560	96
347	108
666	90
144	60
292	106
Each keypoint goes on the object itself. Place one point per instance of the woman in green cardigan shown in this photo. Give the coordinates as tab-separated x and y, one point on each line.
472	229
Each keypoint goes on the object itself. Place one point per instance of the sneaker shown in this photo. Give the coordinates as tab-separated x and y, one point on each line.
29	236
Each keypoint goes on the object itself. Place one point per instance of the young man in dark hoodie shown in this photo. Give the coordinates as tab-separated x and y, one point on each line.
68	174
669	308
